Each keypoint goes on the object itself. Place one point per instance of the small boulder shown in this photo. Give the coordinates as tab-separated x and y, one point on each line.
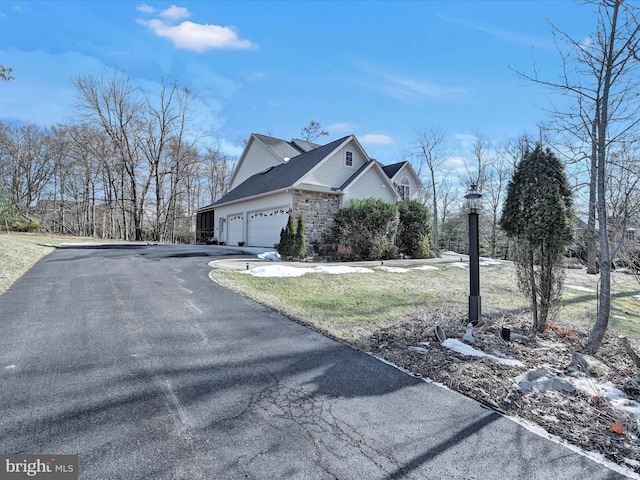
589	364
542	381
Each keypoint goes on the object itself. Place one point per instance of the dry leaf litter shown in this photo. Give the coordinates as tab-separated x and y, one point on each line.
583	417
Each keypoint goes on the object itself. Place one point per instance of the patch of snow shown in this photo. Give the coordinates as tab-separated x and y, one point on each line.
286	271
620	317
582	289
340	269
460	264
450	252
616	397
467	350
426	344
270	256
485	262
426	267
393	269
277	271
9	367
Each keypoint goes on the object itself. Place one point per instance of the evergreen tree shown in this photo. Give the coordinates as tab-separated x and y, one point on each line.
413	229
286	246
538	215
300	242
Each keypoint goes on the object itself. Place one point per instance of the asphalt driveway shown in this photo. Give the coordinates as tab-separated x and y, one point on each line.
131	357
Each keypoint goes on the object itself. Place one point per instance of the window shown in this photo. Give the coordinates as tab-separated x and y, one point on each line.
348	159
405	189
631	234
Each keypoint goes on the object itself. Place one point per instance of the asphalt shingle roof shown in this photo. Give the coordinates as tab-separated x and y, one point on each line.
280	176
280	147
392	169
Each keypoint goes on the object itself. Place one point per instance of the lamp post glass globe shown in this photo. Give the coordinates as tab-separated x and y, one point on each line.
473	199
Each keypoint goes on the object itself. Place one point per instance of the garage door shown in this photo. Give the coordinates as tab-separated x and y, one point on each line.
235	229
265	226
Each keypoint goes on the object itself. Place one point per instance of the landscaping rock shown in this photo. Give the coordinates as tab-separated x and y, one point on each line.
542	381
420	350
589	364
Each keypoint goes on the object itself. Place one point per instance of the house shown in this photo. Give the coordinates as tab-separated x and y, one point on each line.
274	177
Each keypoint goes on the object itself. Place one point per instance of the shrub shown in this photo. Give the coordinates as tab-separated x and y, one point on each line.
413	229
364	230
300	250
292	243
22	224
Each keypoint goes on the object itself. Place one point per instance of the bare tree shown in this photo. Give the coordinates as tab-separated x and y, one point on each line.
217	169
429	162
600	77
313	131
5	73
25	153
496	178
113	103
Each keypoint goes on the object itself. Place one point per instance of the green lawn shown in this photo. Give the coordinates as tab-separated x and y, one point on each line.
352	306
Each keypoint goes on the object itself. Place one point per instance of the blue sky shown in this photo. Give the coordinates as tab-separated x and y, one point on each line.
376	69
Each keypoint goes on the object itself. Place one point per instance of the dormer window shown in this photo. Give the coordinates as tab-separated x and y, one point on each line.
348	159
405	189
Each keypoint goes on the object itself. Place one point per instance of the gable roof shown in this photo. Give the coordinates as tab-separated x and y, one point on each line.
375	165
391	170
304	145
282	148
281	176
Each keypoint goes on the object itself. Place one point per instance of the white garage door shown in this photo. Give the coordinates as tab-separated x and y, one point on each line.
265	226
235	229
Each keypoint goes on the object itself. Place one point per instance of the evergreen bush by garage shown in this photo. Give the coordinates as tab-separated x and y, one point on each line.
414	228
364	230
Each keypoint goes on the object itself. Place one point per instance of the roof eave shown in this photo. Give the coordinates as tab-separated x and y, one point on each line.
252	197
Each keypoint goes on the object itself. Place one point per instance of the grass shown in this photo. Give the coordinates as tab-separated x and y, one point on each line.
20	251
351	307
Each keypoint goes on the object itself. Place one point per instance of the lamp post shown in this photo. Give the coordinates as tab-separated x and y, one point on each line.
473	204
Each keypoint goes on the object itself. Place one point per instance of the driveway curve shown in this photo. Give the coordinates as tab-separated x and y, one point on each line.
132	358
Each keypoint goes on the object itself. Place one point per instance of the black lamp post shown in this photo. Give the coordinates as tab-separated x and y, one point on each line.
473	204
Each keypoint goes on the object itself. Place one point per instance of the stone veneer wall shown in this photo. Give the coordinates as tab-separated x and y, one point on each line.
317	209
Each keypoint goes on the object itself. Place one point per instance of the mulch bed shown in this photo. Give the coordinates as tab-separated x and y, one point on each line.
586	420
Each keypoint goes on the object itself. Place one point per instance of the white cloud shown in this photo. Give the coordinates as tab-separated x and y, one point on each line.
409	90
342	127
231	149
199	37
376	139
144	8
500	33
456	163
174	13
256	76
412	90
2	15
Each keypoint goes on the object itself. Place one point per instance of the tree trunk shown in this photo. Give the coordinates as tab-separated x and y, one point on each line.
604	307
590	234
